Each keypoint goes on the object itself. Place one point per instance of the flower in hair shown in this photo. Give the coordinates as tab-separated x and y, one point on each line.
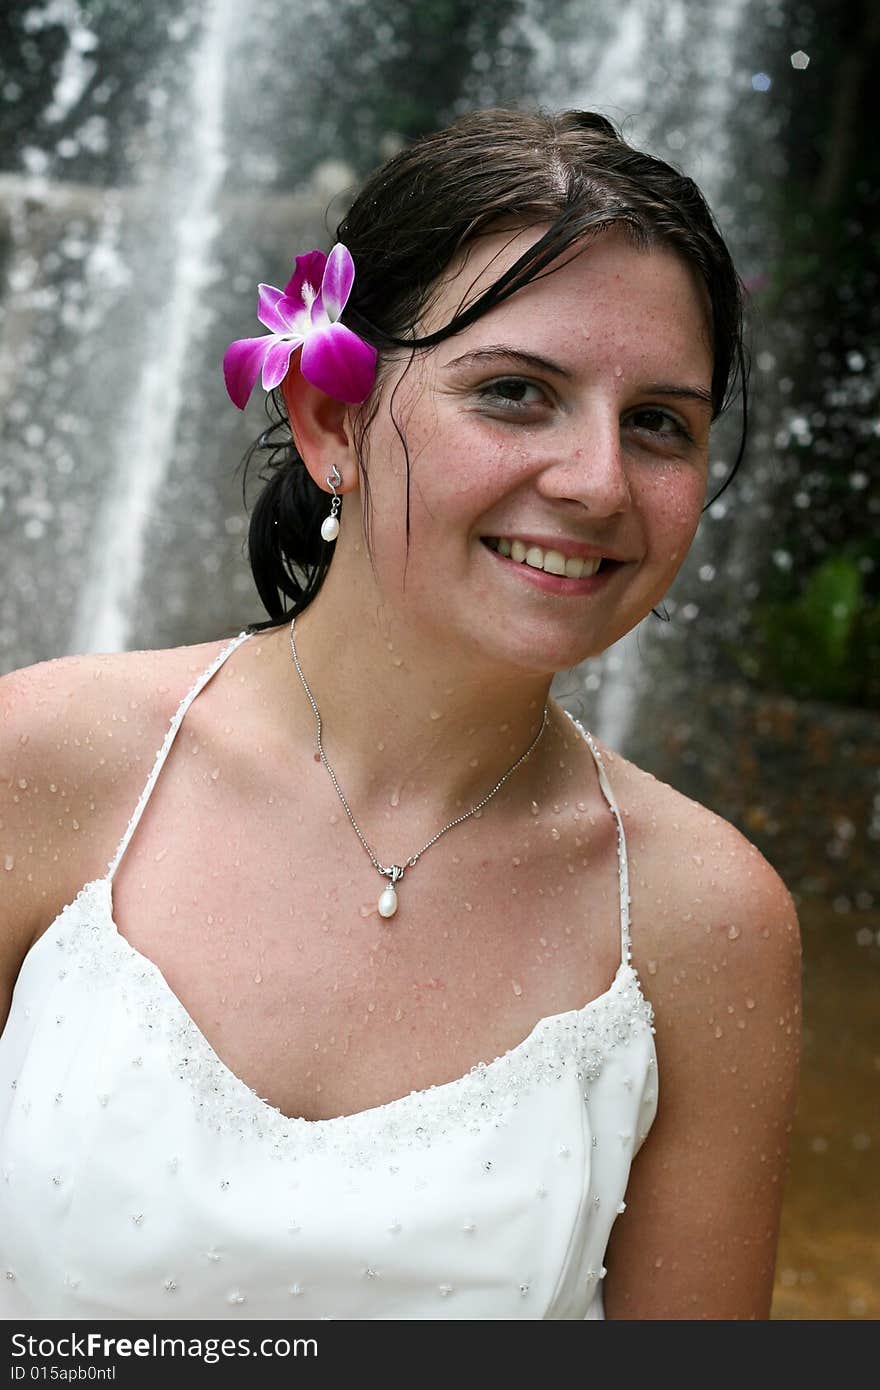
305	314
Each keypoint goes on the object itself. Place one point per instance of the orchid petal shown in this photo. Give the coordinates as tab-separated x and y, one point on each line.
318	317
277	362
297	317
339	363
337	281
275	310
242	361
309	271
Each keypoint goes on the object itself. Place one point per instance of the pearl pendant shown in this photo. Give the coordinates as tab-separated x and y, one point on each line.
329	528
388	901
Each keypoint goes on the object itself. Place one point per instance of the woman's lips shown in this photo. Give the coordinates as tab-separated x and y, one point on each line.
557	583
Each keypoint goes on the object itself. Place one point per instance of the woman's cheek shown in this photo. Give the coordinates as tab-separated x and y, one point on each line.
675	499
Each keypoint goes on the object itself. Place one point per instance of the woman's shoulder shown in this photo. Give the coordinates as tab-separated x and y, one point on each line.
87	715
78	735
701	892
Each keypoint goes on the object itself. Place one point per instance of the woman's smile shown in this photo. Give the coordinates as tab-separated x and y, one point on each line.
534	569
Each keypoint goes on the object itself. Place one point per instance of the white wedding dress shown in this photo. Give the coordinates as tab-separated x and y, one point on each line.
140	1178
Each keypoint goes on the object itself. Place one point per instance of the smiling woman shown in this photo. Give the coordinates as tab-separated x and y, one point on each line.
369	1036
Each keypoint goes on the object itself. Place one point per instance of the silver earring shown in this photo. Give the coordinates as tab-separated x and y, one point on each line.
330	525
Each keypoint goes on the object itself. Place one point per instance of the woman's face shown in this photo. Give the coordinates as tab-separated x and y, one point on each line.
574	416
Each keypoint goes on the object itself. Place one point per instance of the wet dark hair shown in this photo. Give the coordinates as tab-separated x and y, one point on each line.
491	168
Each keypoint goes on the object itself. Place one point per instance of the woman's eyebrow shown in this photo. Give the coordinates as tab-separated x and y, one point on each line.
526	359
696	393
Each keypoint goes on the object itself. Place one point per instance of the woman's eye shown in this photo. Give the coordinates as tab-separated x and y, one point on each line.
660	422
512	393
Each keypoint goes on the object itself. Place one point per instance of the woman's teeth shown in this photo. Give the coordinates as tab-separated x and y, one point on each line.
550	561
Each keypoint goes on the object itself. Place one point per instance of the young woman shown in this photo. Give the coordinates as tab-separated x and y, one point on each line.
402	996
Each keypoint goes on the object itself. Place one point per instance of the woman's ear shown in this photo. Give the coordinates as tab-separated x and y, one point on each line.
321	429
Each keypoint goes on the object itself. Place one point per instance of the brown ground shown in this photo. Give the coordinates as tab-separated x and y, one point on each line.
829	1251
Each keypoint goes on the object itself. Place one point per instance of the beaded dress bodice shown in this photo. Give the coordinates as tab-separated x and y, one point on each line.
140	1178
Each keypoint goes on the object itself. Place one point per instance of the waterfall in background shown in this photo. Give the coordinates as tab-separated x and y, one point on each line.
185	204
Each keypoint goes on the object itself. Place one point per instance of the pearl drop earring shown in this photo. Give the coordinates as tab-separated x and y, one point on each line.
330	524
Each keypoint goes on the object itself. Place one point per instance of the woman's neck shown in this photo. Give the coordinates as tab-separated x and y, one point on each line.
406	727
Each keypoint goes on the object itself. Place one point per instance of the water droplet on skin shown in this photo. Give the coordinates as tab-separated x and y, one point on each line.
534	808
334	818
173	909
732	933
719	1031
395	798
750	1003
468	907
157	858
554	833
398	1015
516	987
652	967
23	739
215	773
698	859
618	371
22	782
435	714
9	862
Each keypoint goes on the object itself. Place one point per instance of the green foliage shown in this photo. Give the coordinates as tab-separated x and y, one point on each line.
822	643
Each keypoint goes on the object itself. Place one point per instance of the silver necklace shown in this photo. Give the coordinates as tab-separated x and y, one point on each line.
394	872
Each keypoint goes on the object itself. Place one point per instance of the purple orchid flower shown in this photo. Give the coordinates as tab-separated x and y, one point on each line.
305	314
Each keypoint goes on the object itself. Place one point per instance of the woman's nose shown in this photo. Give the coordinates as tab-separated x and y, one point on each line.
588	465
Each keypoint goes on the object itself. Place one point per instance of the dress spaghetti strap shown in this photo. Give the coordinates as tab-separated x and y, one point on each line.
622	864
163	752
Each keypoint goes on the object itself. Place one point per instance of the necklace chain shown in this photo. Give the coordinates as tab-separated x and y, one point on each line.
394	872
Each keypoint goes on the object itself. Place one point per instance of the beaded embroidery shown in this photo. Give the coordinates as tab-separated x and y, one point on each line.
578	1042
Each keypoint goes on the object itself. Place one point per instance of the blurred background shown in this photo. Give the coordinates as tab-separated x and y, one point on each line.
157	161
